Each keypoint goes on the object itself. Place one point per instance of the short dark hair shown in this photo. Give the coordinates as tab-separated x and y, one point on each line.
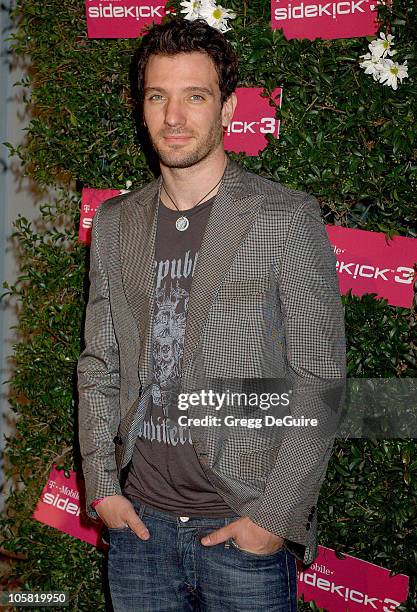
182	36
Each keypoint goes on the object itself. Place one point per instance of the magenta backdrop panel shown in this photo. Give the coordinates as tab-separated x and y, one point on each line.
369	263
253	119
90	201
61	505
320	19
351	584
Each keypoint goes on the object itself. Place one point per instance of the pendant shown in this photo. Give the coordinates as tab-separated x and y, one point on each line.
182	224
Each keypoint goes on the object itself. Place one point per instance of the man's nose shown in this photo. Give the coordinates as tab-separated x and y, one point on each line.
174	113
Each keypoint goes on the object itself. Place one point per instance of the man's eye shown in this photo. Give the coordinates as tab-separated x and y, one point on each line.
197	97
155	97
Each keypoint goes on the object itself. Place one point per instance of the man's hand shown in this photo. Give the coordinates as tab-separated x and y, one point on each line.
116	511
248	536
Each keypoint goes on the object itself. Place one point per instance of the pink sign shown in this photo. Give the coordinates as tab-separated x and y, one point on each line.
122	18
90	201
254	118
324	19
350	584
61	505
368	263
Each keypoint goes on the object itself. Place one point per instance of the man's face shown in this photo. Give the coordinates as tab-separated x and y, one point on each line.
182	108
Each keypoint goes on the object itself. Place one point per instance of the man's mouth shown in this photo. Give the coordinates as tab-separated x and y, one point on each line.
176	138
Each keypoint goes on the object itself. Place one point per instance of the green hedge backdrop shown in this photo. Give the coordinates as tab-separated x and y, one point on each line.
344	138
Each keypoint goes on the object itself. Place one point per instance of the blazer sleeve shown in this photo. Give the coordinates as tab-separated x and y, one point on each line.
316	360
98	382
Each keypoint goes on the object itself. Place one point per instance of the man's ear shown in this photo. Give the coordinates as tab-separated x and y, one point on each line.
228	109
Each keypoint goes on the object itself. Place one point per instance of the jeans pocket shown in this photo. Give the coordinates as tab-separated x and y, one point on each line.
253	555
117	530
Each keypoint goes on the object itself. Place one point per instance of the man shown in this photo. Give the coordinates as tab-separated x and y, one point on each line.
208	273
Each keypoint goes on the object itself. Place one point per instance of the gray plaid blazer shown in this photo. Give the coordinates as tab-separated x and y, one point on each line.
264	303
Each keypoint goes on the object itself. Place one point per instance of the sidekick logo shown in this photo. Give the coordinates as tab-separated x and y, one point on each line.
333	9
253	119
137	12
402	274
349	594
267	125
122	18
317	19
62	503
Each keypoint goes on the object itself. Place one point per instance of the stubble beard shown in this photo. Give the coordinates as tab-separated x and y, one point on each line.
185	159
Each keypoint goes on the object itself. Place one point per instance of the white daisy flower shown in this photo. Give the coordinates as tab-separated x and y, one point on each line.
381	47
215	15
191	9
371	65
392	72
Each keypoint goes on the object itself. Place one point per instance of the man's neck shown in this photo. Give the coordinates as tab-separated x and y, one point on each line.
187	186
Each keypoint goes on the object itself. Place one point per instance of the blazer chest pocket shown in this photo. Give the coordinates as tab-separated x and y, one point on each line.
248	288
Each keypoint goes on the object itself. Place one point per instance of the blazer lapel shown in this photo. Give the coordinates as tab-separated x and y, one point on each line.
233	213
137	248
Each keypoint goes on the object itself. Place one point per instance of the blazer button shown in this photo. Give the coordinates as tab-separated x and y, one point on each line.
118	440
307	526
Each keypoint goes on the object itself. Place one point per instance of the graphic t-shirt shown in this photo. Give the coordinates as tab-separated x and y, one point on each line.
165	471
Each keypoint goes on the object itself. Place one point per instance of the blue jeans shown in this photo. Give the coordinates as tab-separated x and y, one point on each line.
174	571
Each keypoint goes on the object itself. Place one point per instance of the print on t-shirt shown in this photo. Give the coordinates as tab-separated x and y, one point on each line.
171	304
170	317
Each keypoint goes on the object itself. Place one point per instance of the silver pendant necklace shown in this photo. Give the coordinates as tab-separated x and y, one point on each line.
182	223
